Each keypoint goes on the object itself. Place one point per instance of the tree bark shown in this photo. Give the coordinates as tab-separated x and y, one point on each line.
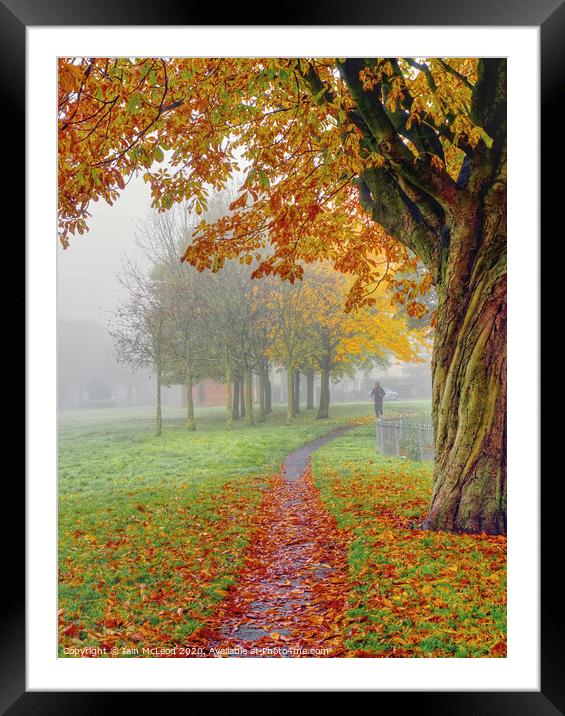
469	377
310	390
296	401
190	420
235	403
248	380
158	415
324	406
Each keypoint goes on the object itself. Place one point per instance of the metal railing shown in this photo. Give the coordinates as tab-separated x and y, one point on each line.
410	439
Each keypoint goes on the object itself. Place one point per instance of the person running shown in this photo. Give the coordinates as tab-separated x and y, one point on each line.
377	394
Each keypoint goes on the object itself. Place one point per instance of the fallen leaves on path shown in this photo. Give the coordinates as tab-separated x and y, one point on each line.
292	591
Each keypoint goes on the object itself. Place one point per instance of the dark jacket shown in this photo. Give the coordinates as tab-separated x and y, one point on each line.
377	394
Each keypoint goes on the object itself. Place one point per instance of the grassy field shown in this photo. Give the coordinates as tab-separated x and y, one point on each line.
413	593
152	530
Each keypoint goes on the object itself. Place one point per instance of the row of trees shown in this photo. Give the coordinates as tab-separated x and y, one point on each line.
187	325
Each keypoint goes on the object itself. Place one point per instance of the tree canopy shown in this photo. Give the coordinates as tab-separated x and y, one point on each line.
310	140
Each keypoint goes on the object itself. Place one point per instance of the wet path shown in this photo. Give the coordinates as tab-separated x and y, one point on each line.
291	593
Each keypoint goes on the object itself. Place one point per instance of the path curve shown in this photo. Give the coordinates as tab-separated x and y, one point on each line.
291	592
297	461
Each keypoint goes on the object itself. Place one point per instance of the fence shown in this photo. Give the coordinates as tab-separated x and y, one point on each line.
405	438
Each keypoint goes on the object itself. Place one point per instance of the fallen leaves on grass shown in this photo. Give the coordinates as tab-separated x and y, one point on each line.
157	576
414	592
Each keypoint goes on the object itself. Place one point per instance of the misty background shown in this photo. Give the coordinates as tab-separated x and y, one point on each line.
88	292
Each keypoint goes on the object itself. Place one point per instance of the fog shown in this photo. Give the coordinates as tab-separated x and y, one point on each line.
86	271
88	292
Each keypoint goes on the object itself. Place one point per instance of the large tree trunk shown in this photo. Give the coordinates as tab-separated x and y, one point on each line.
324	406
158	415
469	376
310	390
248	380
235	403
190	420
458	230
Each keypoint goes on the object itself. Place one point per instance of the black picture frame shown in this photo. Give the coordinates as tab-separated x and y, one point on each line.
549	15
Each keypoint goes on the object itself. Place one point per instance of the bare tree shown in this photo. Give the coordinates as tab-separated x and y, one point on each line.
141	326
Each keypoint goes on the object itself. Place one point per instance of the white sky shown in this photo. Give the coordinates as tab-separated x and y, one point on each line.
86	282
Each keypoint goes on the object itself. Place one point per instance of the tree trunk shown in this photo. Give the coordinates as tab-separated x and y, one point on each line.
261	391
469	378
242	397
268	391
458	229
158	416
284	386
310	390
229	398
248	380
190	421
324	406
235	404
296	392
289	395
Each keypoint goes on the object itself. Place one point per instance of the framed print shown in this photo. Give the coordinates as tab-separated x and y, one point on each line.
268	413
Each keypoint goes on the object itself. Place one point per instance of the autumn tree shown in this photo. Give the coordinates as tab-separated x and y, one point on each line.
342	159
237	324
290	306
341	342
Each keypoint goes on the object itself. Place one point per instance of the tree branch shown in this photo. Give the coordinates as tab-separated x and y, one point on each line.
488	100
400	217
398	156
453	71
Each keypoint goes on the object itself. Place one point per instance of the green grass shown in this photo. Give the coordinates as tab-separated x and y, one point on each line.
413	593
105	450
152	529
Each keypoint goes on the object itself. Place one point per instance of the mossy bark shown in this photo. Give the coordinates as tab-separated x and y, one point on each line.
469	376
